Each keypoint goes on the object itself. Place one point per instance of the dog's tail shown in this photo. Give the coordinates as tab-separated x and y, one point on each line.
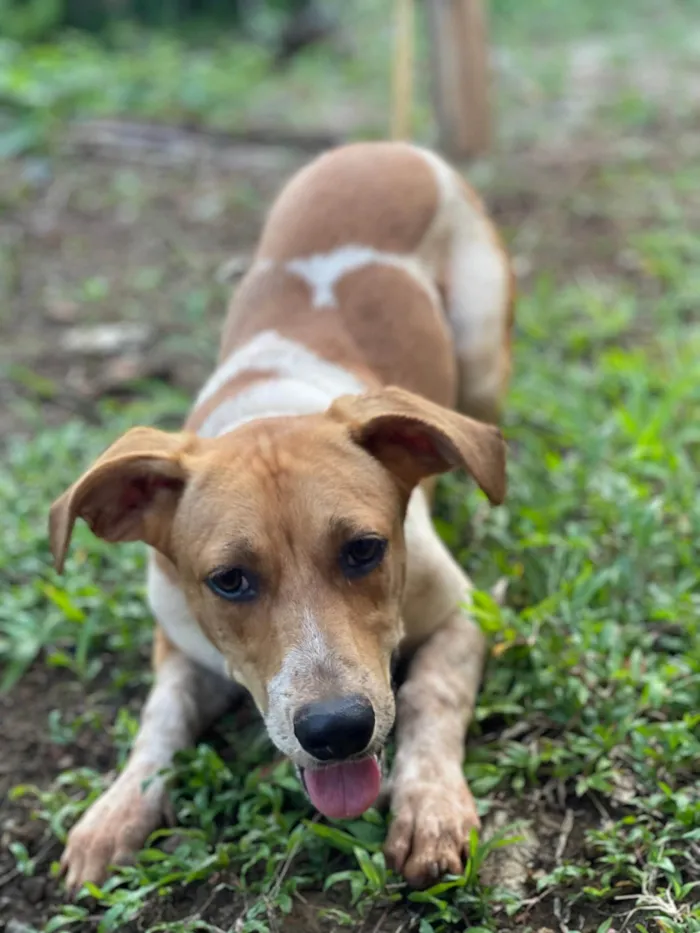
478	289
480	308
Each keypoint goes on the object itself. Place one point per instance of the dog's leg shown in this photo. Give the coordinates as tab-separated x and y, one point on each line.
432	807
184	700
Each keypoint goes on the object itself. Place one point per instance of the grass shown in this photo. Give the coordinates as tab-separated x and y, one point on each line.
597	659
587	733
219	81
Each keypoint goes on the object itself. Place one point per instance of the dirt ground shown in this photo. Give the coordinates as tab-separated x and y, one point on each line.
30	756
115	235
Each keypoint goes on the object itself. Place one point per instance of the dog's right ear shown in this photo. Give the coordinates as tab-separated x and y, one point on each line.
129	494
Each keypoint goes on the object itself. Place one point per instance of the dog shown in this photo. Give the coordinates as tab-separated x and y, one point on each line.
291	547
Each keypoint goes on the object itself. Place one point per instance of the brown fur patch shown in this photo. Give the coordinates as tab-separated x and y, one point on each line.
282	302
128	494
416	438
385	329
382	195
162	646
401	332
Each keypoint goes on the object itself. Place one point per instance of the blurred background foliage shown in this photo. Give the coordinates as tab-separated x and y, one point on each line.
231	64
40	20
182	61
32	20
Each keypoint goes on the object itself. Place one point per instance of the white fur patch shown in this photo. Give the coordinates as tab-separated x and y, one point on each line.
478	272
479	288
310	651
270	398
269	350
303	662
261	265
323	271
169	606
435	583
164	727
305	383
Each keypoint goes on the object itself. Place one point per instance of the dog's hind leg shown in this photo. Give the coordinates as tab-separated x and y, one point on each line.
184	700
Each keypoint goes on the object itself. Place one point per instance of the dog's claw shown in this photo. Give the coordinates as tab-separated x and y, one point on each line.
429	835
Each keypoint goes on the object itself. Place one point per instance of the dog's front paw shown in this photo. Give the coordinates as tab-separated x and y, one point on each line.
429	833
112	831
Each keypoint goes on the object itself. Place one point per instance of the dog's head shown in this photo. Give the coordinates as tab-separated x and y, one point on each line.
287	536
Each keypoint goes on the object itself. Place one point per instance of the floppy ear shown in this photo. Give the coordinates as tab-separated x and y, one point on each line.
129	494
415	438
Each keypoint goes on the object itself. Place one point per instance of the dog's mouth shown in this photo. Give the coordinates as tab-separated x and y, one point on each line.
343	791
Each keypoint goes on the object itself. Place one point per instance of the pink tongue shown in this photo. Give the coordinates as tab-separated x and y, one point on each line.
344	791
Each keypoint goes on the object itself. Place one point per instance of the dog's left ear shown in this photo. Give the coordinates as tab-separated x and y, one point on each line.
415	438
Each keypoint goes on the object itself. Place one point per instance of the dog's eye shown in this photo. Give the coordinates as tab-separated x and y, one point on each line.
234	584
362	555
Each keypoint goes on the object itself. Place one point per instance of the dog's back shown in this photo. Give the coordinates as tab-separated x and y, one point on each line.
379	257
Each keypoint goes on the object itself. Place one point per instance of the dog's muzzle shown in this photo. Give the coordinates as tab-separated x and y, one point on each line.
337	733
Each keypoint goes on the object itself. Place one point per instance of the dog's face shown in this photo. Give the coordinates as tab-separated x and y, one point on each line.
287	536
289	543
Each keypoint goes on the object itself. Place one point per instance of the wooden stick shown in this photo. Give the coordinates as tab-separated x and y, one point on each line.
402	96
459	64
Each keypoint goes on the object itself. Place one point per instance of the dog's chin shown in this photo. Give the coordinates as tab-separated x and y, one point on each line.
344	790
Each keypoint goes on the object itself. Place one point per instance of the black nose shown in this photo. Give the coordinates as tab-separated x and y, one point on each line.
335	729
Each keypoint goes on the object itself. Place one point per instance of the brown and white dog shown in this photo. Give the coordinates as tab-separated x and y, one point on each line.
291	546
